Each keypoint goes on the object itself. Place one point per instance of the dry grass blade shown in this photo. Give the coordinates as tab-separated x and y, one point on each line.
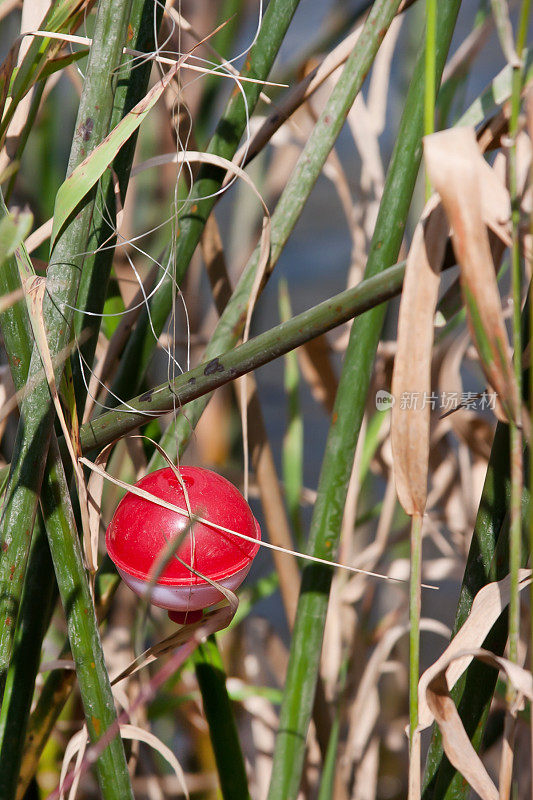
75	748
456	742
412	365
35	288
459	174
487	606
78	744
37	237
500	10
95	487
138	734
365	710
192	634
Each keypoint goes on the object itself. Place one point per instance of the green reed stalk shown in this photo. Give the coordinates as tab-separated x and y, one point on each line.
33	435
132	86
18	339
37	605
218	370
414	620
429	80
488	560
516	272
517	467
222	727
342	438
40	590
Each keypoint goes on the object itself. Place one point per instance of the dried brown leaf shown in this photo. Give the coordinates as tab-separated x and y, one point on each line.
456	743
470	196
488	604
412	365
34	288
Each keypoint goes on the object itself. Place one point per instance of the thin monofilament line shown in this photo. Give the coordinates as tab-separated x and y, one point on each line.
215	69
268	545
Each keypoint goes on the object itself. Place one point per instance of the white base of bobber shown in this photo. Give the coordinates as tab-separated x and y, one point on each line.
183	598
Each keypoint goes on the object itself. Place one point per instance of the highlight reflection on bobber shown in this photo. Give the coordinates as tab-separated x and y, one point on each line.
140	532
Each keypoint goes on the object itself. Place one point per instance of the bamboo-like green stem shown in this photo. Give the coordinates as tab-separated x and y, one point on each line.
82	626
34	431
58	686
222	728
516	271
40	590
344	430
40	570
429	83
202	380
488	560
517	476
145	20
19	341
293	441
248	356
287	213
37	605
231	13
329	771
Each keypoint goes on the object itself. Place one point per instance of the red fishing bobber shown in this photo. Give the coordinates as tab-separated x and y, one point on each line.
141	530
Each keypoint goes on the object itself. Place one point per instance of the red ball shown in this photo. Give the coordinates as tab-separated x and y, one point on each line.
140	531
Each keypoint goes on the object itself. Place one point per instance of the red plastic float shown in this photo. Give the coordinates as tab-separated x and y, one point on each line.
141	530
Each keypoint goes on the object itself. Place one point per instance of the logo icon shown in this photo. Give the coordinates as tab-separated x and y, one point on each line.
384	400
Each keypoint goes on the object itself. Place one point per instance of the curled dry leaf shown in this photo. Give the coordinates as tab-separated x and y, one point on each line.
455	740
461	176
488	604
78	745
412	365
434	701
364	712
